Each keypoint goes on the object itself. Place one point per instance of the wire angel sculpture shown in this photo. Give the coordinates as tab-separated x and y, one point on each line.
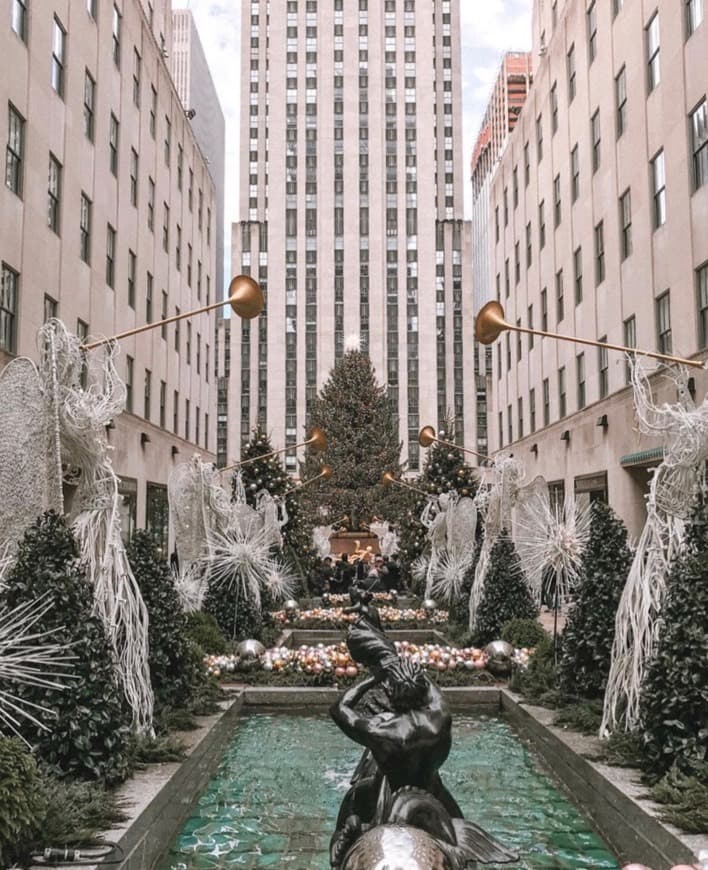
683	428
550	538
29	658
320	540
456	556
387	537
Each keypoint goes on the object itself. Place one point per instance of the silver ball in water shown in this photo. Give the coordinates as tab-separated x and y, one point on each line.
500	653
249	653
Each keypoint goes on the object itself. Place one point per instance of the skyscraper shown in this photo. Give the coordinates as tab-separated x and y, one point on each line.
351	211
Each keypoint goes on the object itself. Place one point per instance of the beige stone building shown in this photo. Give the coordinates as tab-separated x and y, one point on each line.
599	228
351	212
108	220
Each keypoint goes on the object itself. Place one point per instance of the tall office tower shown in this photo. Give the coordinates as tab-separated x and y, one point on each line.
599	212
351	206
505	104
108	221
195	86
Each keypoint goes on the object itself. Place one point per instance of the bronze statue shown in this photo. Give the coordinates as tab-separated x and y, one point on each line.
397	807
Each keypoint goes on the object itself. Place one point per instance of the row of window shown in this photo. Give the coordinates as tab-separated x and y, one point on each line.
629	326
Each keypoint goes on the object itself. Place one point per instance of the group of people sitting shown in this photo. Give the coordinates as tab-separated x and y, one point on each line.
374	572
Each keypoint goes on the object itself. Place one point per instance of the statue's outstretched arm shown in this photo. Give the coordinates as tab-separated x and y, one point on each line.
344	713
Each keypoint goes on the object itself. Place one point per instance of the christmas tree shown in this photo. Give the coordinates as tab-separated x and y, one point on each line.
172	666
88	723
674	699
362	443
264	473
506	593
590	629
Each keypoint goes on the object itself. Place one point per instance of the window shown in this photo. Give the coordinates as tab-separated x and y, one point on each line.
54	194
89	105
539	138
529	246
166	228
510	426
592	31
132	269
544	310
506	207
151	205
702	292
110	256
571	74
149	283
580	374
180	166
188	347
9	291
91	8
177	330
625	206
630	340
168	140
163	404
694	15
506	276
85	229
574	174
560	296
496	223
19	18
532	410
147	394
178	249
163	316
58	56
515	186
599	253
129	368
699	144
137	64
617	6
546	402
199	353
113	145
604	368
527	165
517	263
51	308
175	412
186	419
557	211
541	226
14	153
153	111
530	326
157	516
554	108
197	420
133	177
663	323
578	274
562	399
501	430
116	35
621	101
595	134
653	46
520	414
658	176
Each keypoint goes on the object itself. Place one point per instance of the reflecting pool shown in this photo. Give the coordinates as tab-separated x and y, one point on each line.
274	800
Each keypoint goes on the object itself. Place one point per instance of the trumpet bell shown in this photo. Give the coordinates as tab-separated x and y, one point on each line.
317	439
490	323
326	472
245	297
387	479
426	436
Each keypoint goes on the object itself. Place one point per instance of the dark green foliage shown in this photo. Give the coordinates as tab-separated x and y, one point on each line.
506	594
75	812
523	633
171	664
584	716
590	630
538	683
623	749
362	443
458	677
203	630
89	732
238	619
22	802
157	750
684	799
265	473
674	699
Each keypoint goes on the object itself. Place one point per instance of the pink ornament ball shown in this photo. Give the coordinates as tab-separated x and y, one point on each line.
635	867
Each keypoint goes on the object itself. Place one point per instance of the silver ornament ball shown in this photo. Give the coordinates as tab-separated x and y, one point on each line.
499	654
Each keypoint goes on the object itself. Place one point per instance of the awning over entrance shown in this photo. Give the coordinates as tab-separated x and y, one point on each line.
642	458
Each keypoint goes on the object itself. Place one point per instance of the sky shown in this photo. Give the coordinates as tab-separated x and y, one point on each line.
489	28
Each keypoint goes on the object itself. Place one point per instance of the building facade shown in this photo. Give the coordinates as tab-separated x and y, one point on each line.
599	210
195	86
351	207
108	221
505	104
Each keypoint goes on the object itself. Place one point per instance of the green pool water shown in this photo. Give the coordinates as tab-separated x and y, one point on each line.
273	801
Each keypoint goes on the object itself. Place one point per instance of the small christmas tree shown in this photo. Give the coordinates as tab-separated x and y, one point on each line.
590	629
238	618
674	699
87	732
362	443
506	593
263	474
172	666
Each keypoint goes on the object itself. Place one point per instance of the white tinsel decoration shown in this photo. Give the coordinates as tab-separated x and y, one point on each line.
191	586
29	658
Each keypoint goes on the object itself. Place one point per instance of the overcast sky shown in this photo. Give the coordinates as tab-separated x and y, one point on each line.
489	28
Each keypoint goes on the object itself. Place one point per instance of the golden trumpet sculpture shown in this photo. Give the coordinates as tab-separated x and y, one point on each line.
427	437
325	474
245	299
316	439
490	324
387	479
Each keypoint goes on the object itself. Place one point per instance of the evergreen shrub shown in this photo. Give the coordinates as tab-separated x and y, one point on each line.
203	630
523	633
22	801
